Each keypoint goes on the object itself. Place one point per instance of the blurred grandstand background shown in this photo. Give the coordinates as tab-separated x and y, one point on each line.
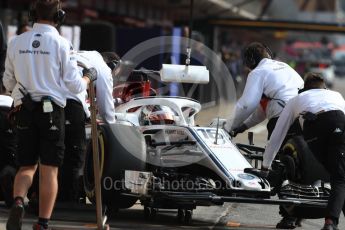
308	34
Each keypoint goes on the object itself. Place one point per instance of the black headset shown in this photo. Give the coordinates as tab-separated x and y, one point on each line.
252	56
59	16
113	64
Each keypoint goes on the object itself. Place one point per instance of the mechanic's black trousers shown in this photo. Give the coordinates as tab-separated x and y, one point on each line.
326	138
7	140
294	130
75	145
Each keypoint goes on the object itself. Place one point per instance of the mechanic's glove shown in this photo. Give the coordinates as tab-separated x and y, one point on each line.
238	130
90	73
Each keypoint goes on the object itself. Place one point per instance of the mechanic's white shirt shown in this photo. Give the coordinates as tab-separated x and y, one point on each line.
5	101
40	61
104	85
255	118
276	80
314	101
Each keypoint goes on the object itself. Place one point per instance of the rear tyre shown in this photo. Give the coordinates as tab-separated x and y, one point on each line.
301	165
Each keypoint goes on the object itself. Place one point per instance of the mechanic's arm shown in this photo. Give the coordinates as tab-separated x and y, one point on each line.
257	117
286	119
104	94
249	100
254	119
70	72
9	79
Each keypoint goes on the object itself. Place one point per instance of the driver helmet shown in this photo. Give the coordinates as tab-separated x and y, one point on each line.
156	115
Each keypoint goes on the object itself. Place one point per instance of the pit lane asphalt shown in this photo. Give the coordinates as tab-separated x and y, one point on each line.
228	216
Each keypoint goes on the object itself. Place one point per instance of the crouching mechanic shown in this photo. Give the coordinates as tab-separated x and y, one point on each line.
321	114
76	112
36	63
270	84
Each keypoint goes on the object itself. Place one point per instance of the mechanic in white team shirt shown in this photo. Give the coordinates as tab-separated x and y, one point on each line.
321	114
76	112
269	81
270	85
103	84
37	62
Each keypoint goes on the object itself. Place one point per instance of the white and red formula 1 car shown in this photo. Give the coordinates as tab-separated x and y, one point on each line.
156	153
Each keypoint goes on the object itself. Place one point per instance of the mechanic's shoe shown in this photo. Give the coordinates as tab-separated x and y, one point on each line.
15	218
286	223
329	225
298	222
39	227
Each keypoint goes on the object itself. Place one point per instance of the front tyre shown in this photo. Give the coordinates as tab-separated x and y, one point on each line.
116	156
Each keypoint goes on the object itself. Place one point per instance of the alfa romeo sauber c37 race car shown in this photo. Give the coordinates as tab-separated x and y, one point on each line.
156	154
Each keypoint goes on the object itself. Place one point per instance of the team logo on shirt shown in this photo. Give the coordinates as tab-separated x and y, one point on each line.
36	44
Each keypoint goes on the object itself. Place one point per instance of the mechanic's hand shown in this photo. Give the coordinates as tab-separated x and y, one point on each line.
90	73
238	130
